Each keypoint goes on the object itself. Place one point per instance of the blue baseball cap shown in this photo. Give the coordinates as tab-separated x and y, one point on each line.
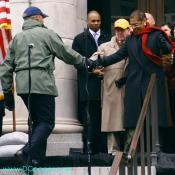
32	11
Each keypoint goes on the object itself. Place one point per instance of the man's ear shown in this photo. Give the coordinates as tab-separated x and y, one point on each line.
145	23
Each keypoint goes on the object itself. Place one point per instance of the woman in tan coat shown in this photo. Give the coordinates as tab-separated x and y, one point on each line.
112	97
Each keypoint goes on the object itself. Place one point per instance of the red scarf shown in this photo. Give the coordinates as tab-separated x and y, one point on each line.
153	57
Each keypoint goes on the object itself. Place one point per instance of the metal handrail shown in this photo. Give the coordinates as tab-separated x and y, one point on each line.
140	123
138	131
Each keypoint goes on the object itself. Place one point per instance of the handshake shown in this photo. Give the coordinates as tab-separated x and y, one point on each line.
95	63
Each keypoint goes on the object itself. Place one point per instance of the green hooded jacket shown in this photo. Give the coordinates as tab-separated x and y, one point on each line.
47	46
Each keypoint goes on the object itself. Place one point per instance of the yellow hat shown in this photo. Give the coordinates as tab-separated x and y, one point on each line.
122	23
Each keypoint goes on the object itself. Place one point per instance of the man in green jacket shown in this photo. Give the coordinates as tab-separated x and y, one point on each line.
47	44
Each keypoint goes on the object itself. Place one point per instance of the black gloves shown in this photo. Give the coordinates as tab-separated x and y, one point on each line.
120	82
98	63
90	64
9	101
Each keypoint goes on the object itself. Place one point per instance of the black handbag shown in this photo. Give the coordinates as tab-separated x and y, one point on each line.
120	82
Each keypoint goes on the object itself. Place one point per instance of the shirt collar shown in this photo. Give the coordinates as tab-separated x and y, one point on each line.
92	32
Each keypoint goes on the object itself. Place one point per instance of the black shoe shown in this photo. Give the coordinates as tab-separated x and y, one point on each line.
21	157
36	162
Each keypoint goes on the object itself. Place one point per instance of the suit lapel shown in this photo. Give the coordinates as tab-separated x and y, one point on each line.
135	51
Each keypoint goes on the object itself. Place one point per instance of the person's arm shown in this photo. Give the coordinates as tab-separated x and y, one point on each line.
67	54
77	45
122	53
163	44
6	75
63	52
7	69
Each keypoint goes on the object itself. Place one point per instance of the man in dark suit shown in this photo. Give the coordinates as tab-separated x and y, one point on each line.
144	49
86	43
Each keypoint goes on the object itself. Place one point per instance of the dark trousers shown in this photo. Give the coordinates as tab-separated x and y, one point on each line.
92	131
2	113
42	108
172	102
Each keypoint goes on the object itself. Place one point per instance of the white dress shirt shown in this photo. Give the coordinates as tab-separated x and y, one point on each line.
95	35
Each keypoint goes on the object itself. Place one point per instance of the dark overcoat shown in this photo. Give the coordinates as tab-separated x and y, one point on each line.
84	44
140	68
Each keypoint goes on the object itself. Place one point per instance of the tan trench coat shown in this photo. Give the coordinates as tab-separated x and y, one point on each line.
112	97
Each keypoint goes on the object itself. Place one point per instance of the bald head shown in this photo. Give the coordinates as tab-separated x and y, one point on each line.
94	20
150	19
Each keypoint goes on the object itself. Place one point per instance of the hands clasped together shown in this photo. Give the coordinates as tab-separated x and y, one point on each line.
94	63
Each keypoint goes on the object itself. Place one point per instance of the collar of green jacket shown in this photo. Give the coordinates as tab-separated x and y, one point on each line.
31	23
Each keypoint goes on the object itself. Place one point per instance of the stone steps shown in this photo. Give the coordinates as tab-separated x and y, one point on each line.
65	165
60	144
67	171
166	164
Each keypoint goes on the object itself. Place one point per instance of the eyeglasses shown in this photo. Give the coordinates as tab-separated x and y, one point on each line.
136	25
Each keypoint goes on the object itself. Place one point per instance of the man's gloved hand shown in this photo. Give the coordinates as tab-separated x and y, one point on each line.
90	64
94	64
99	62
9	101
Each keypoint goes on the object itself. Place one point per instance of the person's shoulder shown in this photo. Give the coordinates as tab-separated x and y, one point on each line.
80	35
104	47
106	35
108	43
48	30
157	32
105	44
130	37
50	34
18	36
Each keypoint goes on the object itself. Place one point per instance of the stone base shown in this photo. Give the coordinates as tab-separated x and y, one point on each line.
59	171
69	171
60	127
63	138
60	144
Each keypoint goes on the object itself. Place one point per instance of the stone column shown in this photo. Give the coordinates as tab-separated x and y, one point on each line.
67	18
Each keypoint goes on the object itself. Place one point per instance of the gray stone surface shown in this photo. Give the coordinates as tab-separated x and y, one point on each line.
59	144
59	171
71	171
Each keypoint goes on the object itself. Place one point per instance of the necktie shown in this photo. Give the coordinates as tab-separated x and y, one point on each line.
95	35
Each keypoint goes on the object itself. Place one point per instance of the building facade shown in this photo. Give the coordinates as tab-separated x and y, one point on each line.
162	10
68	18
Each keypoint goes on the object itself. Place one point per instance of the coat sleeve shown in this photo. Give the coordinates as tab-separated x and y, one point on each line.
121	54
163	44
6	70
63	52
77	44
